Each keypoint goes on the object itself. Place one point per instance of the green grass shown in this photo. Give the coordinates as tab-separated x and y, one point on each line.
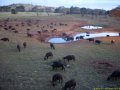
28	71
25	14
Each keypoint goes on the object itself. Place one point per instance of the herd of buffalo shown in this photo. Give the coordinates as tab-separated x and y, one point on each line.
57	77
71	84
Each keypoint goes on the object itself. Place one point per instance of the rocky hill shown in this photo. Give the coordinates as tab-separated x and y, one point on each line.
115	12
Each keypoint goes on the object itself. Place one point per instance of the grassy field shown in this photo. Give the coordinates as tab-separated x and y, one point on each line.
26	70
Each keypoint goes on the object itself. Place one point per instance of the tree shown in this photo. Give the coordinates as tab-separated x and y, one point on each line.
20	8
13	11
83	11
4	8
74	10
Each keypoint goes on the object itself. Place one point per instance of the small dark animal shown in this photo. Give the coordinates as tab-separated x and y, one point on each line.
19	48
112	41
98	42
69	85
114	75
57	64
57	77
29	35
87	35
24	44
4	39
47	55
39	32
77	38
90	39
5	28
69	38
15	31
107	35
52	46
81	37
69	57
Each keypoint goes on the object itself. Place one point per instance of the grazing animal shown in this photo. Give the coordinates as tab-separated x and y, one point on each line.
107	35
39	32
15	31
81	37
52	46
29	35
4	39
98	42
57	77
112	41
19	48
24	44
47	55
69	57
87	35
69	38
69	85
90	39
57	64
77	38
5	28
114	75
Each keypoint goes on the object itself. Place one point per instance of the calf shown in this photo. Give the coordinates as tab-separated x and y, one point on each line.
114	75
57	64
69	57
4	39
112	41
57	77
47	55
69	85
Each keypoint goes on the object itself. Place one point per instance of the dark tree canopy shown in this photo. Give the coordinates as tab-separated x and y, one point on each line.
13	11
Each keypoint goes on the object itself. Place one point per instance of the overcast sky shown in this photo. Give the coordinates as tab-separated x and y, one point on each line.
101	4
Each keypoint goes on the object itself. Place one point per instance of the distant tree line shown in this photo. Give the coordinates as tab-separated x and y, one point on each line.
82	11
63	10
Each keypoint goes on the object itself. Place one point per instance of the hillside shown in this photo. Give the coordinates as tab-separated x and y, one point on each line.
25	7
115	12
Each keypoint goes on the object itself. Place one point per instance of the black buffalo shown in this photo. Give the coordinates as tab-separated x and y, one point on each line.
58	64
107	35
90	39
98	41
47	55
52	46
4	39
57	77
69	85
29	34
69	57
77	38
68	38
114	75
18	47
81	37
24	44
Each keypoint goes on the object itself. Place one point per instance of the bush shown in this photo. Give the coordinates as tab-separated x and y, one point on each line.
13	11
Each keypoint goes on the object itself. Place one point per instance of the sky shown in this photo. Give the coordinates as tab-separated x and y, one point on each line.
100	4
